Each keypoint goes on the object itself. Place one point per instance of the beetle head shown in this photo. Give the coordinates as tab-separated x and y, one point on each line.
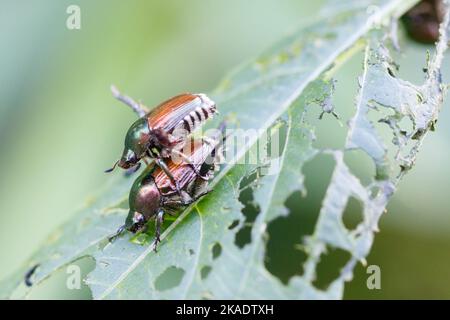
128	160
137	141
135	221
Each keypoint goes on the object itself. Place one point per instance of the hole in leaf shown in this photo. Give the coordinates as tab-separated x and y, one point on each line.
191	252
329	131
170	278
329	267
248	180
360	165
216	250
250	211
233	225
204	272
284	255
383	132
353	214
406	124
66	283
320	103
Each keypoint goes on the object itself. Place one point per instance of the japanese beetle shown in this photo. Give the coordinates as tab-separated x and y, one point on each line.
162	132
423	20
153	195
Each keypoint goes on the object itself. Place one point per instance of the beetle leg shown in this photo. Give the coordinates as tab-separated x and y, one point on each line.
187	200
175	203
136	107
132	170
163	166
159	219
201	194
189	162
117	234
174	206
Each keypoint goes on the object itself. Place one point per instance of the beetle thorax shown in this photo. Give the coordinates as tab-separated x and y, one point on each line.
136	144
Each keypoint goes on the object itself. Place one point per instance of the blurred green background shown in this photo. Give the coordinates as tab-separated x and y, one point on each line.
60	127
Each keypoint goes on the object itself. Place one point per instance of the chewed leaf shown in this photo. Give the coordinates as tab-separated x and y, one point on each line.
81	237
380	88
199	256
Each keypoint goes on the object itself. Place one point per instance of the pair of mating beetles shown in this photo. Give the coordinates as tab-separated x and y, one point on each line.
182	165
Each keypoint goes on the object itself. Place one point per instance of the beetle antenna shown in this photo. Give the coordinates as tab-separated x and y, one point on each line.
113	167
136	107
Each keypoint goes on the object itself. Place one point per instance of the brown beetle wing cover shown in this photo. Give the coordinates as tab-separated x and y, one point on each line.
197	152
171	112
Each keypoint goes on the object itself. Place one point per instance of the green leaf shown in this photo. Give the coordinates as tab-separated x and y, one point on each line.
198	257
80	237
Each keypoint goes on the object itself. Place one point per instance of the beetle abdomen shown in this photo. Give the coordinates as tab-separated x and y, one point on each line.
199	115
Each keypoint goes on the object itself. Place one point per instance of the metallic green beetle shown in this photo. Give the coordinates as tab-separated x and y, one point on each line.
162	132
153	195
